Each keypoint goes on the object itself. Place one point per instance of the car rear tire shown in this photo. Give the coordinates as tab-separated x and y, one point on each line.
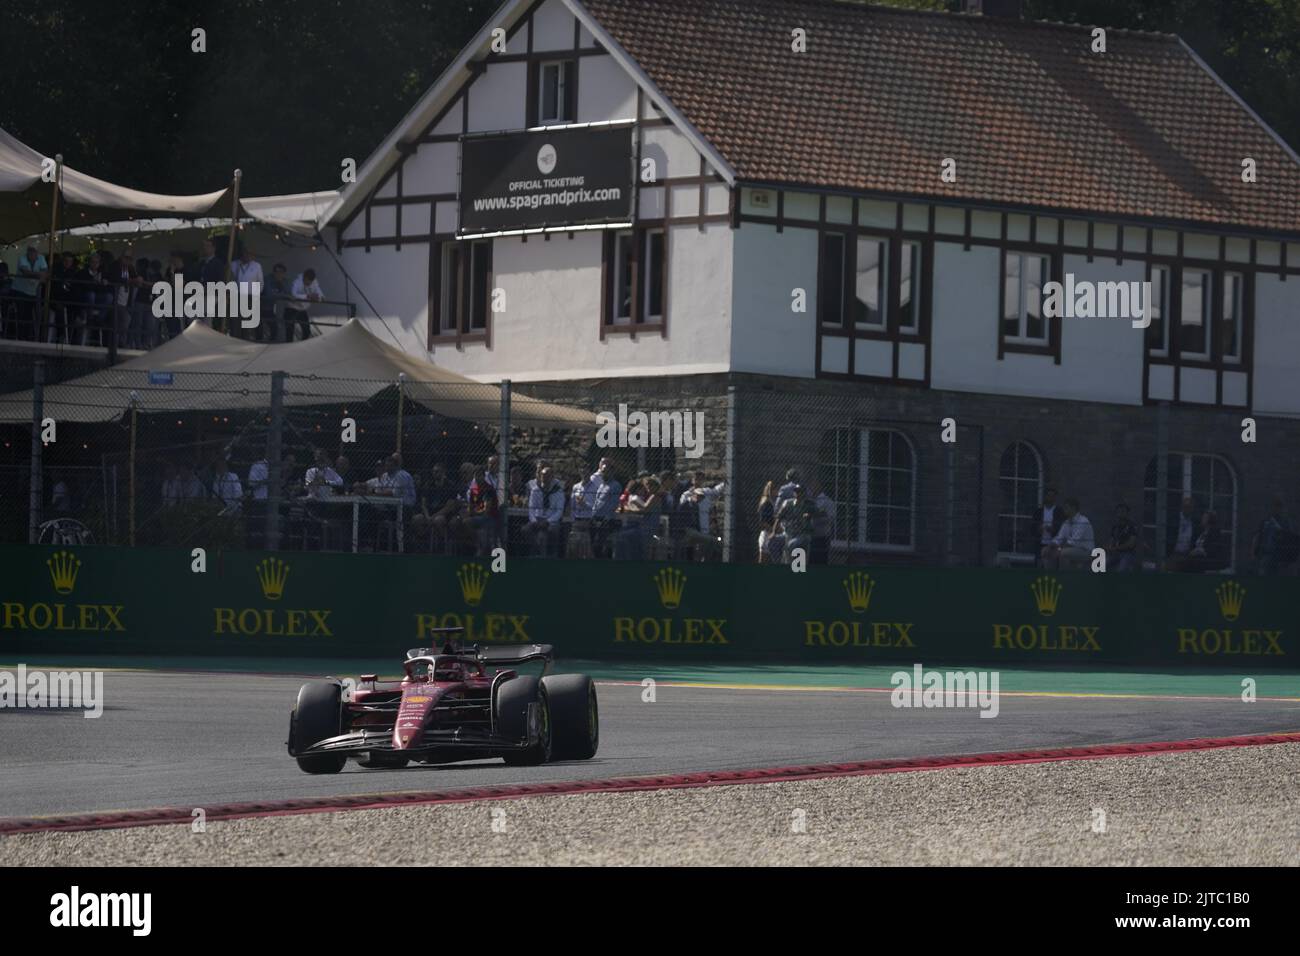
512	702
575	717
317	716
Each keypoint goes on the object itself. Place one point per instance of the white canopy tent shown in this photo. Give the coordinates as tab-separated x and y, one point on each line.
26	194
348	362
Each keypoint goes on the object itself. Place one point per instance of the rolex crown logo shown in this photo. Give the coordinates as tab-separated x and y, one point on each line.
859	586
670	583
1230	595
271	572
473	582
1047	591
63	567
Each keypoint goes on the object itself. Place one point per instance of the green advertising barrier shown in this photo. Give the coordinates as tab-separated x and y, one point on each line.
105	600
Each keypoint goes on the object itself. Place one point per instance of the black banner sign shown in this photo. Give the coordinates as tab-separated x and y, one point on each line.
562	177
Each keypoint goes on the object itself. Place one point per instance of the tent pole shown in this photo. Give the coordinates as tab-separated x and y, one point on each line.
401	396
39	334
230	242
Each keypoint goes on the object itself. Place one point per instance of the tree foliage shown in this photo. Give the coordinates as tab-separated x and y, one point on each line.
287	89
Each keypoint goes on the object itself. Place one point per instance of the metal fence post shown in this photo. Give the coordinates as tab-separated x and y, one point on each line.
273	455
1162	481
503	452
36	493
729	499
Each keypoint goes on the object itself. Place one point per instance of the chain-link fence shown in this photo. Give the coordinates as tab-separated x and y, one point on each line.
739	468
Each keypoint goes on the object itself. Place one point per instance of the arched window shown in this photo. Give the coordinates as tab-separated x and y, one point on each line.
1020	484
870	473
1212	485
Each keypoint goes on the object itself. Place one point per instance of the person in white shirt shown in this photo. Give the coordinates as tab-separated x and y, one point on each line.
545	509
582	498
1073	544
396	481
1188	520
305	289
189	488
259	474
321	479
228	489
247	271
702	497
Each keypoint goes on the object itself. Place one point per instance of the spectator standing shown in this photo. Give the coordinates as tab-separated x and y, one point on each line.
227	488
247	271
305	290
482	512
696	503
787	490
26	285
190	488
795	515
1188	520
1048	517
766	522
171	323
632	542
97	298
545	510
1122	555
275	292
823	523
64	300
1276	544
605	492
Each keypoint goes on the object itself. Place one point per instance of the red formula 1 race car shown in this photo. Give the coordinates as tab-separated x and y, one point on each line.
457	703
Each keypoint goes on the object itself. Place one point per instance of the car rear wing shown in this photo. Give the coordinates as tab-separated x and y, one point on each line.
514	653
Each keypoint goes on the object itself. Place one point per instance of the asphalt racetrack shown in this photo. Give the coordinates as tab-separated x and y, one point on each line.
184	739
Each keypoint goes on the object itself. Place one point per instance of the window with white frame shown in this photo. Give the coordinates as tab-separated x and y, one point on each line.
466	296
636	260
1195	314
1207	479
871	288
909	287
858	276
830	295
1020	482
870	473
1230	324
553	92
1023	277
1157	305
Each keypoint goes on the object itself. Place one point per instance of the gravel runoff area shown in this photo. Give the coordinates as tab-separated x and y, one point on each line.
1234	806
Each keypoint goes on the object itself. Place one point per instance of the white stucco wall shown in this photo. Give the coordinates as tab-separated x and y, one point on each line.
1277	345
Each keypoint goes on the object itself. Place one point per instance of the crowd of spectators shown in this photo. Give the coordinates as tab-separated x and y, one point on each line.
1199	545
794	518
99	299
584	515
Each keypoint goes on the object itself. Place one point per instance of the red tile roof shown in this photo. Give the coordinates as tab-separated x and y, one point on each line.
1032	117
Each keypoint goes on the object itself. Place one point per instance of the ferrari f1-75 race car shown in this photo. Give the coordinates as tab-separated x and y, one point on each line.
448	707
